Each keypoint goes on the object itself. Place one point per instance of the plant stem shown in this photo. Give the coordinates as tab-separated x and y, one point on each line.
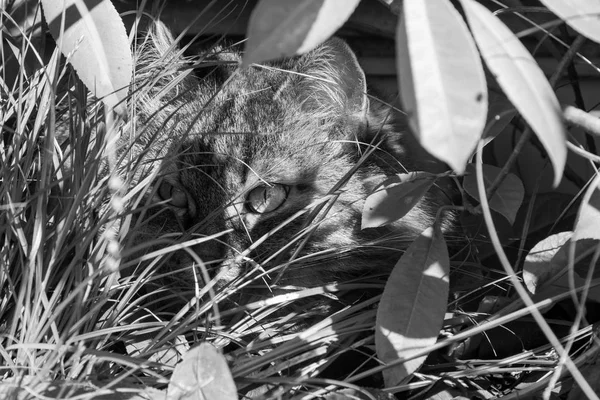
581	119
521	291
509	163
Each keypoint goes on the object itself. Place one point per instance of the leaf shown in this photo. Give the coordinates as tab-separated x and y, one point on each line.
522	81
476	231
545	268
558	213
500	114
92	36
283	28
413	304
536	267
588	221
442	84
499	122
509	196
395	6
202	375
394	198
581	15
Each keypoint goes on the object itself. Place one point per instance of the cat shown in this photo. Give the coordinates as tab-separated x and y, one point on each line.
266	169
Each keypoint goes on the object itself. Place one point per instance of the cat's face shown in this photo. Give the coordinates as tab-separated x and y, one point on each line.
264	169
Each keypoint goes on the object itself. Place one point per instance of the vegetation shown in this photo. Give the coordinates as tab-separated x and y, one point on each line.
82	314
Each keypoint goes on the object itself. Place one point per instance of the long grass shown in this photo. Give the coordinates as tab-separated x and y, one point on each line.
75	308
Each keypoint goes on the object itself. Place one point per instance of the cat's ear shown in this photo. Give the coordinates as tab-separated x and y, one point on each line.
161	70
351	76
335	78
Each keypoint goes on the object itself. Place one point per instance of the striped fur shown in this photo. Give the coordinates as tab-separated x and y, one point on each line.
304	123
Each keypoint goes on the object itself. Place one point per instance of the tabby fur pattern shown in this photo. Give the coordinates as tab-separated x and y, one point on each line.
275	160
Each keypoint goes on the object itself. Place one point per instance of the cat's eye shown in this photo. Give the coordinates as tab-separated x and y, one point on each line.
177	197
265	199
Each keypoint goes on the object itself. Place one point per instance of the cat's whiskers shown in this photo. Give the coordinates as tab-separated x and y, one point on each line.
301	138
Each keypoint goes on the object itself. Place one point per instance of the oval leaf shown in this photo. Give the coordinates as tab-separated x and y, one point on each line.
394	198
546	266
581	15
509	196
442	84
536	269
283	28
413	305
203	374
588	221
92	35
522	81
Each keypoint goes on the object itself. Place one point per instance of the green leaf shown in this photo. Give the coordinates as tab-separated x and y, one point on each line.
509	196
202	375
92	36
413	305
283	28
394	198
442	83
581	15
522	81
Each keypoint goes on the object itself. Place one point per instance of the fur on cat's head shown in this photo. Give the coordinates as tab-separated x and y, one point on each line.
274	160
